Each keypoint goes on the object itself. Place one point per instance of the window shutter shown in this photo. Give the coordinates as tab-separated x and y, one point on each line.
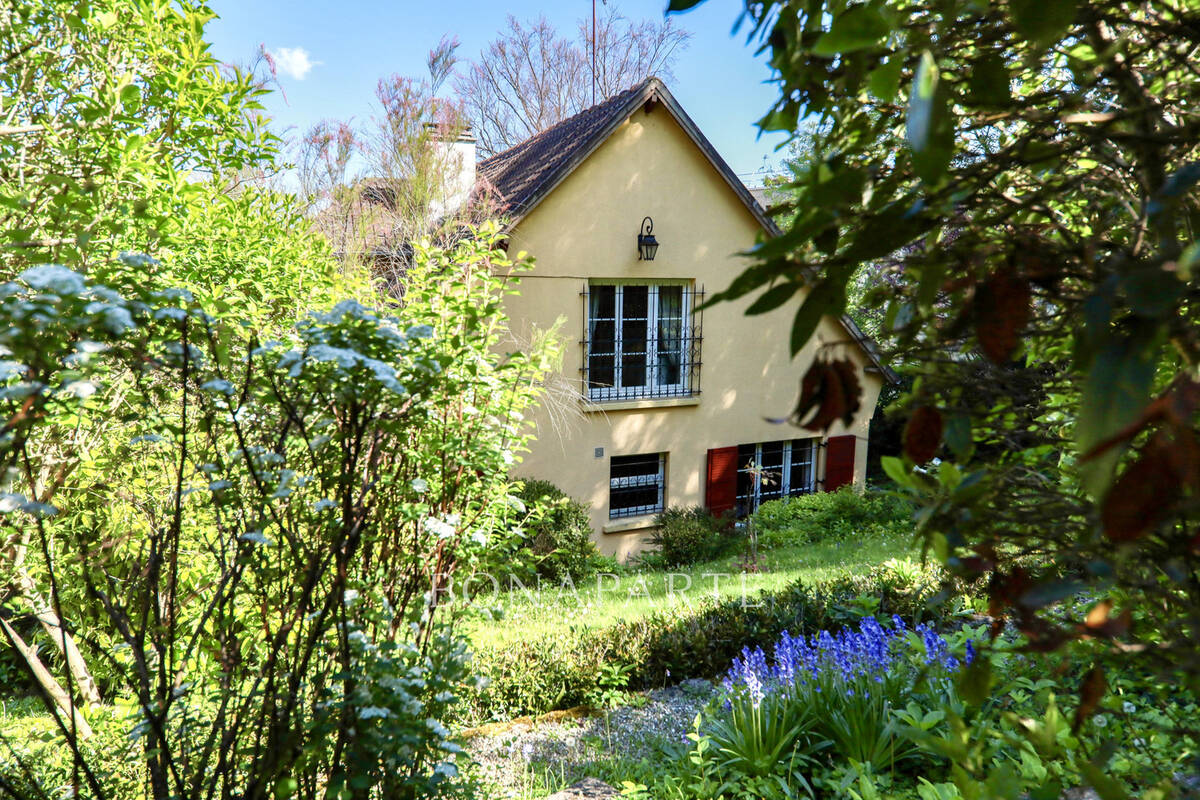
839	462
720	493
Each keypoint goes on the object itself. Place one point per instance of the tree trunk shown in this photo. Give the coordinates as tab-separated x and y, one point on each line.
54	693
63	640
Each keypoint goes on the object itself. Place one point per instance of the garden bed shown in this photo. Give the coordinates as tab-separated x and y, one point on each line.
543	673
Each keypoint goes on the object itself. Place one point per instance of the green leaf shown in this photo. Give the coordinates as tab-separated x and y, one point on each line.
773	298
1175	186
1190	256
896	470
858	28
826	241
1050	592
893	227
827	297
930	130
884	82
1042	22
920	102
781	118
1106	786
131	97
975	683
1152	292
957	434
989	81
932	274
683	5
1115	391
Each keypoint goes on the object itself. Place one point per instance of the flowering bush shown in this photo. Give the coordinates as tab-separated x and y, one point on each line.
262	534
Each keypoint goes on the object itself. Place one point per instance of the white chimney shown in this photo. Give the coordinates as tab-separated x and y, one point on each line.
455	153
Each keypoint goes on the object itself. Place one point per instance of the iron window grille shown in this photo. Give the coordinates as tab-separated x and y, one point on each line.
636	485
641	340
773	470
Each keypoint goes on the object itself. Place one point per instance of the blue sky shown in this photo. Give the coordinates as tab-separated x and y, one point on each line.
350	44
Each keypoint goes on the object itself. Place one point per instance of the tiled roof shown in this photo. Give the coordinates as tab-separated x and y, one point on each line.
520	176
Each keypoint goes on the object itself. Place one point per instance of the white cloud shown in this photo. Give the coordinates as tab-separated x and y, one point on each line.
293	62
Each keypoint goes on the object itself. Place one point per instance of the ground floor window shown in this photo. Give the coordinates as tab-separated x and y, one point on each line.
771	470
636	485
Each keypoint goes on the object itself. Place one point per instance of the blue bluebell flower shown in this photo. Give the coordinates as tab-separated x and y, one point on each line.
850	660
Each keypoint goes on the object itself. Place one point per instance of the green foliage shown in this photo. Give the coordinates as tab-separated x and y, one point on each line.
303	474
249	253
401	692
115	105
826	516
686	536
33	758
558	532
764	739
1026	200
610	685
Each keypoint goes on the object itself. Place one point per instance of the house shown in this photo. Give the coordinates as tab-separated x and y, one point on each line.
669	403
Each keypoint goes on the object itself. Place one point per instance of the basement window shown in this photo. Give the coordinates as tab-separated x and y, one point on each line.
636	485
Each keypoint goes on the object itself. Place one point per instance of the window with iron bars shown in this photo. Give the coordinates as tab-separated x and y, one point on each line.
636	485
641	340
771	470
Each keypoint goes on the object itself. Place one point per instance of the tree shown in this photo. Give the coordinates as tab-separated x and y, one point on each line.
232	516
381	186
102	140
530	78
1032	169
272	616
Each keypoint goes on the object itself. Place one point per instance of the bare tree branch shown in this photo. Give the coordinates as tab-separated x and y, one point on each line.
530	78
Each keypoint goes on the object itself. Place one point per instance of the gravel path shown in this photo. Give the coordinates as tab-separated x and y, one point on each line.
509	761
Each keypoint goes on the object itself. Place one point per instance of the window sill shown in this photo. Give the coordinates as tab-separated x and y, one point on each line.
629	524
601	406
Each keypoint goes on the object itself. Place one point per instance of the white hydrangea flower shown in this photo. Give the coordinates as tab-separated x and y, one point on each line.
441	528
53	278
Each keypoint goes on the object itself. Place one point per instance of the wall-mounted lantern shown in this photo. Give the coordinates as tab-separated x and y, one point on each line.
647	244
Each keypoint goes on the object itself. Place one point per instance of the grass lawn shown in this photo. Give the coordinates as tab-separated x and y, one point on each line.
604	599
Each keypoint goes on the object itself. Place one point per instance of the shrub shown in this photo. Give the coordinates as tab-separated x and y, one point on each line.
558	532
687	536
830	516
34	758
322	490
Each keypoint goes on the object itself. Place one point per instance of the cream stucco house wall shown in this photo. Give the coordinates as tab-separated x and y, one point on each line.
669	404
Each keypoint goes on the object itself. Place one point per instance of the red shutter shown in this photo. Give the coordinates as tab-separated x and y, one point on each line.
720	494
839	462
